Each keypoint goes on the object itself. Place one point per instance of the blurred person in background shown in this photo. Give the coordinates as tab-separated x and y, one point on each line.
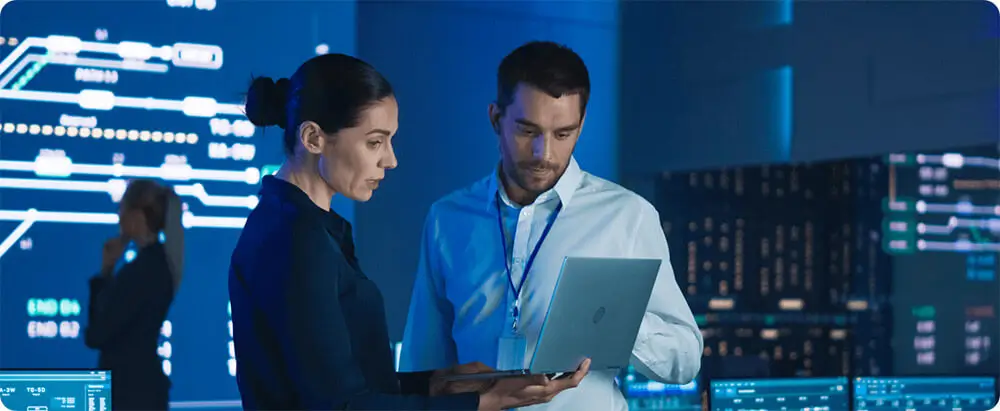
127	308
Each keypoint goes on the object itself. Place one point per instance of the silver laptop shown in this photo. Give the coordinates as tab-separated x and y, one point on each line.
595	313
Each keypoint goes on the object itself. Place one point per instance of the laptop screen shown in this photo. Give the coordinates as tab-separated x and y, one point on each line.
643	394
780	393
944	393
53	390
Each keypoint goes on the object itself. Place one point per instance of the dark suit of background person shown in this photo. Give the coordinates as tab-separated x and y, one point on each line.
127	309
309	327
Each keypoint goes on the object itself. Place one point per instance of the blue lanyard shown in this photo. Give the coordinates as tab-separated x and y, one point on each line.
531	258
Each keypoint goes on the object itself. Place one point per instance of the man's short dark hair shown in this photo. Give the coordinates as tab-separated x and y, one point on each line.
552	68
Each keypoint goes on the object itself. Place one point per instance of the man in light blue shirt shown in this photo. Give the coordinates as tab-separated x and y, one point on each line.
491	252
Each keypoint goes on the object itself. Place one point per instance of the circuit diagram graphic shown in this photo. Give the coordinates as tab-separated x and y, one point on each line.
942	227
95	94
79	118
99	65
952	207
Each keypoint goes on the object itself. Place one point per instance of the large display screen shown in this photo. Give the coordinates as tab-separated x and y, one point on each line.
95	93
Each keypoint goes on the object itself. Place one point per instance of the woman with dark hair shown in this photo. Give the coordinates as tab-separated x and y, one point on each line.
309	327
127	309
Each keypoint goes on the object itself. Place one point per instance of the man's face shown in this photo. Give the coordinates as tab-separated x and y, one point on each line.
537	134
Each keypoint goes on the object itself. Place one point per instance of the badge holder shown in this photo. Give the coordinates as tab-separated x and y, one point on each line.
512	347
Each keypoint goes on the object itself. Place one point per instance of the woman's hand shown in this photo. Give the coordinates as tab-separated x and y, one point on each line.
113	249
520	392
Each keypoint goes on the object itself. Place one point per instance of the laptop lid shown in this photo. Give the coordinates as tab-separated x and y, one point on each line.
595	312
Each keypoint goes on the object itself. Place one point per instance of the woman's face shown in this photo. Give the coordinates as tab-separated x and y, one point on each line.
354	161
131	221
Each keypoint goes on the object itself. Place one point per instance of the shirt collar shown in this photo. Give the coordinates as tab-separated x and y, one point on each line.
287	192
564	188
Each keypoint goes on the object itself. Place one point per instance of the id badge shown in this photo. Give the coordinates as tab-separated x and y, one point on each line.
510	355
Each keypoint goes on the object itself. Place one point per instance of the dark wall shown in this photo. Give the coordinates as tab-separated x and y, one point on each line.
721	83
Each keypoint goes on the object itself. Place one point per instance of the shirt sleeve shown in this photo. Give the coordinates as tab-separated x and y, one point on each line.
427	342
669	345
318	348
116	301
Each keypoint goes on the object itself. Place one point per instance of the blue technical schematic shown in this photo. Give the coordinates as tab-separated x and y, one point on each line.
942	226
644	394
827	394
93	94
55	390
924	393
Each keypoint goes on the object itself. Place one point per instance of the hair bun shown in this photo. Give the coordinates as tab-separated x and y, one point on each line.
267	102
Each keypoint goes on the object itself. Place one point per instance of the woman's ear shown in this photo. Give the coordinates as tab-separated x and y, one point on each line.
312	137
